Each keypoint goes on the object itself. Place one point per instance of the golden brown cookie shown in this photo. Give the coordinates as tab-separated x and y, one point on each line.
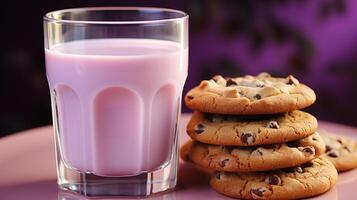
309	179
250	95
248	159
340	150
250	130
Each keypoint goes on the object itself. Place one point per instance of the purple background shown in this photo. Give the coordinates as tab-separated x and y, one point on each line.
316	41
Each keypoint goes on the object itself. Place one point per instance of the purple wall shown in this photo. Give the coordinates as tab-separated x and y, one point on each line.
326	60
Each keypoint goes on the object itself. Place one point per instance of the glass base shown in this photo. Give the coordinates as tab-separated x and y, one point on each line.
141	185
144	184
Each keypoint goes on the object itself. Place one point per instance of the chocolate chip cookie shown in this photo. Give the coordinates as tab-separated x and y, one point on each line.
248	159
306	180
250	130
250	95
341	151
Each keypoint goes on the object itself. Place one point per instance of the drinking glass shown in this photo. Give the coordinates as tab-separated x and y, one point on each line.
116	76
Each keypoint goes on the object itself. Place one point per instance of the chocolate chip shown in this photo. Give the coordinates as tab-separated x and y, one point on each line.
273	124
199	128
308	151
257	96
298	169
333	153
290	82
247	138
189	97
260	84
339	141
328	148
306	165
258	192
273	180
224	162
230	82
218	176
259	152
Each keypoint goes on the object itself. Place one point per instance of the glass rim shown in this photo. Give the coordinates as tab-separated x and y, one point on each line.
49	17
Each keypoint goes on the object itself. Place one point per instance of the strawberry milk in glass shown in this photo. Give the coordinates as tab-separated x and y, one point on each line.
116	76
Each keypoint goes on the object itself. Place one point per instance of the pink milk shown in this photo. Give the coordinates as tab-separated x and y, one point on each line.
117	103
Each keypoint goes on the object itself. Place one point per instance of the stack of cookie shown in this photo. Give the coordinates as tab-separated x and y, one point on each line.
250	132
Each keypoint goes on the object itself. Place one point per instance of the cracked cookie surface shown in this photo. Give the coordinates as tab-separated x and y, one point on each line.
247	159
341	151
250	130
306	180
250	95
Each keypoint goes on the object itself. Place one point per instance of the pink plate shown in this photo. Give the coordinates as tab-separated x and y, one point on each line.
27	170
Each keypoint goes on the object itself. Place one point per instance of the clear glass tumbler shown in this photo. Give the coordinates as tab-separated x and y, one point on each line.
116	76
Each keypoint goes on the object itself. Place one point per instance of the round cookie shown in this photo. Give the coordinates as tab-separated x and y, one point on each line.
310	179
250	130
341	151
250	95
248	159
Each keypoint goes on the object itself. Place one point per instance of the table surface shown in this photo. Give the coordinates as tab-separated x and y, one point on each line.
27	170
